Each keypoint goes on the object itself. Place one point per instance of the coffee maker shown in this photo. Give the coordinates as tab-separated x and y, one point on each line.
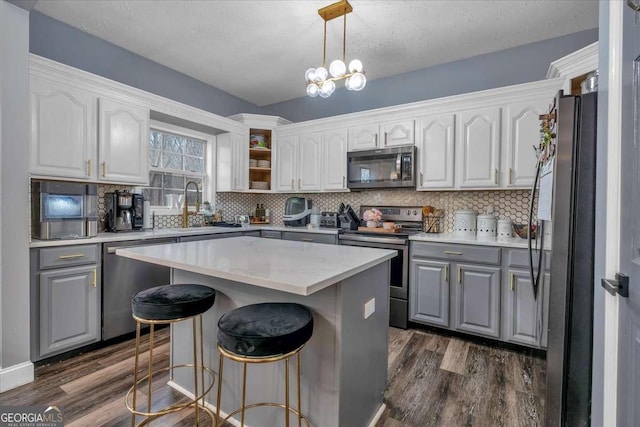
124	211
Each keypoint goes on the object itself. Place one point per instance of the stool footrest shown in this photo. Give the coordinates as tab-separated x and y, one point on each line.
255	405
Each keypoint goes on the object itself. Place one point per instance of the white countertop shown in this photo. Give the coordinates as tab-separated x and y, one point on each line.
513	242
173	232
295	267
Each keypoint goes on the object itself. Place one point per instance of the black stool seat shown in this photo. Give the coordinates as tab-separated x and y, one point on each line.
268	329
171	302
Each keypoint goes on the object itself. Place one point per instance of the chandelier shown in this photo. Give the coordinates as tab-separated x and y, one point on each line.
318	80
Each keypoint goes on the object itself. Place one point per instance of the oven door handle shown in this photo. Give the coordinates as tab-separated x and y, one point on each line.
367	239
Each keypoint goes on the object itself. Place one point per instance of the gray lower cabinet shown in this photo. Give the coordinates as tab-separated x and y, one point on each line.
207	237
271	234
526	317
429	300
255	233
331	239
65	300
477	300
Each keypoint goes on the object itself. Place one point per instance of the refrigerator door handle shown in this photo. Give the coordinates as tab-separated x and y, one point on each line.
618	286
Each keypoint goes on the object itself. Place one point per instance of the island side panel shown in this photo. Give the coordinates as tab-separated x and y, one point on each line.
363	345
320	375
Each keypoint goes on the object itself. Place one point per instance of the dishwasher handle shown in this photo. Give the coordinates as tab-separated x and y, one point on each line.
113	250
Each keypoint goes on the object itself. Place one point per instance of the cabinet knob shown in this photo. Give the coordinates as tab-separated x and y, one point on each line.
89	167
104	169
385	139
446	273
459	276
512	281
94	278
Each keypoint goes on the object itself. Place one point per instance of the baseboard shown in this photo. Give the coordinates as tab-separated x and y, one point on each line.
377	416
209	406
15	376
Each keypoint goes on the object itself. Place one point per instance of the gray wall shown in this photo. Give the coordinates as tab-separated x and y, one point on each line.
14	184
520	64
63	43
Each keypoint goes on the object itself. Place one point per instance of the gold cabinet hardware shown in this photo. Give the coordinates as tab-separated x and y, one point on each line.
459	275
344	181
71	256
292	181
452	253
95	280
89	167
299	183
421	179
512	280
495	176
104	169
385	139
446	273
375	140
307	240
510	176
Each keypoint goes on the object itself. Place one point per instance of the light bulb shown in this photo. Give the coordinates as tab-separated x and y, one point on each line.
347	83
310	74
331	86
325	90
358	81
337	68
355	66
312	90
321	74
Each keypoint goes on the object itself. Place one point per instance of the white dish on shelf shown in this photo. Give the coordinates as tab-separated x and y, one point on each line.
259	185
264	164
253	163
259	148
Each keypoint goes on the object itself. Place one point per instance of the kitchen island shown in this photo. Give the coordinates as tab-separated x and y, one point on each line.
344	364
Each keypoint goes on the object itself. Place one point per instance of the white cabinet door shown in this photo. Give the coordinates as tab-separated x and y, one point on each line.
309	161
435	152
478	148
225	163
335	160
123	143
397	133
286	163
363	137
521	132
63	131
240	162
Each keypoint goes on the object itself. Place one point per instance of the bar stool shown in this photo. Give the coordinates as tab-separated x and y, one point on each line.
164	305
263	333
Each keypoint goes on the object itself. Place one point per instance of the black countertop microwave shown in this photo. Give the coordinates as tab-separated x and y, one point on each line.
385	168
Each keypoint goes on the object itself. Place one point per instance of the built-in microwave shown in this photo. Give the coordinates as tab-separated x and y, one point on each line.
63	210
385	168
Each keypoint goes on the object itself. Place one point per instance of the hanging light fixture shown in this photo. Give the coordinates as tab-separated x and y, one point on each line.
321	81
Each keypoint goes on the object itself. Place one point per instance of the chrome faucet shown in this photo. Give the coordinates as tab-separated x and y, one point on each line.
185	210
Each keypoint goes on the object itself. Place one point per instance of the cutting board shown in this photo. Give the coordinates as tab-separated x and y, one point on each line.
378	229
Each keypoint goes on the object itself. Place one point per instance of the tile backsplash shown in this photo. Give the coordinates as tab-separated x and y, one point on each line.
511	204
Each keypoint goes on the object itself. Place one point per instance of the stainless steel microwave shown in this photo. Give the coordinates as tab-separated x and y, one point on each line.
386	168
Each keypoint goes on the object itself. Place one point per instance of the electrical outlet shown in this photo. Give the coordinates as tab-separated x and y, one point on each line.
369	308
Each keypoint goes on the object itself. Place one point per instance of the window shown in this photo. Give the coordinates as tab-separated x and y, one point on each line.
174	160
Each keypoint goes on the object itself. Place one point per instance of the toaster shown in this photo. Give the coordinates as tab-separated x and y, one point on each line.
329	219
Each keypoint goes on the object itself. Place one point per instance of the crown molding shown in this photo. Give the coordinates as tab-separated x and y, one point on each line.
260	121
52	70
575	64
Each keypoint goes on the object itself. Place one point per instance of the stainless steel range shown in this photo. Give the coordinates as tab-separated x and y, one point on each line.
408	219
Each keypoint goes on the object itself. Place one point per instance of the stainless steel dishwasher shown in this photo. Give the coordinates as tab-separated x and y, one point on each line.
123	277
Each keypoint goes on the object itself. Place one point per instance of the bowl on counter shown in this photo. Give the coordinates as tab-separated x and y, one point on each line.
521	230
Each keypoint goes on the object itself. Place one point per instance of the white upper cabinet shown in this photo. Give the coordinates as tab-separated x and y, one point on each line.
363	137
435	152
334	176
286	163
240	161
521	132
231	162
123	142
478	148
63	130
397	133
309	161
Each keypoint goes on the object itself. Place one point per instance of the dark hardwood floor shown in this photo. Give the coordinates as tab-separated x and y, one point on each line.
433	381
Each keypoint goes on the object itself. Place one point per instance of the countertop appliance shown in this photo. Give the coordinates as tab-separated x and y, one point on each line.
329	220
570	338
386	168
347	218
297	211
121	278
63	210
124	211
409	221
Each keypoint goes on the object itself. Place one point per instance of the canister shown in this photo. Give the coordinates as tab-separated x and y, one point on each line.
465	222
486	225
505	228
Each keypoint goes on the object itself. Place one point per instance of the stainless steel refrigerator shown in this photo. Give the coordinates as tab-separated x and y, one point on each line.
569	353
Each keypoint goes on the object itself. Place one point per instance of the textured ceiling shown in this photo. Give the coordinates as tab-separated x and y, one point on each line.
259	50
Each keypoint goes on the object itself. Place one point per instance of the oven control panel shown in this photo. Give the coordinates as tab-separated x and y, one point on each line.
397	213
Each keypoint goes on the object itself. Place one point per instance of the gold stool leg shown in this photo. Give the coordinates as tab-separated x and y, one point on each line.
201	361
299	403
135	374
244	391
219	399
150	367
195	369
286	392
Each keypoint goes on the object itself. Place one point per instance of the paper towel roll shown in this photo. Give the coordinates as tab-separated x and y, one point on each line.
146	215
